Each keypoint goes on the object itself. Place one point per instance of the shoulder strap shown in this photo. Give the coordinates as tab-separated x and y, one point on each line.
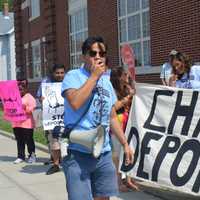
84	113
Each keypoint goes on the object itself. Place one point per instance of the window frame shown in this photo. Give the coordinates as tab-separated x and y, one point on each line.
74	8
26	58
36	15
142	69
36	43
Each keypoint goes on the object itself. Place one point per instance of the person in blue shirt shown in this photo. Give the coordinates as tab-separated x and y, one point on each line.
166	69
56	75
88	177
184	74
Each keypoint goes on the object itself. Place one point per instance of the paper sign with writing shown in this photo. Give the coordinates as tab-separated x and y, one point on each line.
11	100
53	105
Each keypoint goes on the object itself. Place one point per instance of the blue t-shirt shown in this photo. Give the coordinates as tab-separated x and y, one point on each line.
100	108
192	81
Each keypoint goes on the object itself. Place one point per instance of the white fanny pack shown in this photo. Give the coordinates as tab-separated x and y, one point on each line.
92	139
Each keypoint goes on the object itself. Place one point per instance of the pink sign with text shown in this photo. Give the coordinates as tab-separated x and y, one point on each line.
11	100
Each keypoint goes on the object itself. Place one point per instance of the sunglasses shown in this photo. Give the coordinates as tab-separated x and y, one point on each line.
92	53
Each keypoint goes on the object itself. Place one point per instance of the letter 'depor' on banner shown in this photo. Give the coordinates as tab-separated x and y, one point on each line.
164	130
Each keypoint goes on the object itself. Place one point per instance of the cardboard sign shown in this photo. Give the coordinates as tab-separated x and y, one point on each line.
12	102
128	59
53	105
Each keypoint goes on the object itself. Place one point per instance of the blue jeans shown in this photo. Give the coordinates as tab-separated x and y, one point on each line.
88	177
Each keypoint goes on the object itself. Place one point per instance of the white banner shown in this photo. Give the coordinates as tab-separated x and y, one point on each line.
164	131
53	105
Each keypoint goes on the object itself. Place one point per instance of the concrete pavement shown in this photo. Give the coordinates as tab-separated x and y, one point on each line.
28	181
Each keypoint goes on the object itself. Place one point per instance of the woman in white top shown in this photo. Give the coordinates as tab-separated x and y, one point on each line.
184	74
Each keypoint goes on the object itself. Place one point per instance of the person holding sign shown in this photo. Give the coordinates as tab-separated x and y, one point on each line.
23	130
57	75
184	75
125	90
89	93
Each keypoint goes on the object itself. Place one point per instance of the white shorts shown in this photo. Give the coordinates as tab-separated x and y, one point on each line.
53	142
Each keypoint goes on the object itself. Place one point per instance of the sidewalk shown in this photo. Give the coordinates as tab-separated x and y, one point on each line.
29	182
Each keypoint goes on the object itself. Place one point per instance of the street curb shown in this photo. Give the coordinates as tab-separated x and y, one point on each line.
164	192
39	146
150	188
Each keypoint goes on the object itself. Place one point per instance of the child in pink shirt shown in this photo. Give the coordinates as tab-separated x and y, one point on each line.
23	130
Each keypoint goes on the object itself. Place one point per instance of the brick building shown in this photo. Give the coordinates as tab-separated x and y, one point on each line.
51	31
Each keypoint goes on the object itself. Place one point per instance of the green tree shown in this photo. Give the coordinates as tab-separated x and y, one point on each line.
10	2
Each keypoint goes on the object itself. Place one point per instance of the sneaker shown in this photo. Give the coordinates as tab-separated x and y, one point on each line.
32	158
18	160
53	169
48	162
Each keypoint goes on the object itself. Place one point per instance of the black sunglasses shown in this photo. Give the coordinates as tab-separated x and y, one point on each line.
94	53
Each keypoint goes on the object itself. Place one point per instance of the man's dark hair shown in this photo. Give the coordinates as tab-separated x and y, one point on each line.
57	66
87	44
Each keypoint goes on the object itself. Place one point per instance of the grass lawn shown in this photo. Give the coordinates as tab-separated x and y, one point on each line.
38	133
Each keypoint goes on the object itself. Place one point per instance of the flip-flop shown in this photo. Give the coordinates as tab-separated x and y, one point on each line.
123	188
132	185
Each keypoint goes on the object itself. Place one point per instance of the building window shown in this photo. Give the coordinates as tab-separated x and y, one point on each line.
134	28
78	22
36	59
34	9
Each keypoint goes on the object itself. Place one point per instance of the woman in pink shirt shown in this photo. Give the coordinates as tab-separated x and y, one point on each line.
24	130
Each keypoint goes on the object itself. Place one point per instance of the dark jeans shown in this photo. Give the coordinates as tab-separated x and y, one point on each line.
24	136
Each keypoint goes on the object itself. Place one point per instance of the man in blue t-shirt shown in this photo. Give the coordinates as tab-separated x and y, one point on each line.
88	92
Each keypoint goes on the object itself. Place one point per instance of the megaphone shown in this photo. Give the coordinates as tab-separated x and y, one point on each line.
92	139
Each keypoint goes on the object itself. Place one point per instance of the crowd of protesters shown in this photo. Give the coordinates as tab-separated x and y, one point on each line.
88	93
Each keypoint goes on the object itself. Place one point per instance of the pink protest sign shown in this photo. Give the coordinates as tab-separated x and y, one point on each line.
128	58
12	103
